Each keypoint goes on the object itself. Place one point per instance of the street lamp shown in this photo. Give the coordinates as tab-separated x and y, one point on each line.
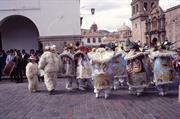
92	13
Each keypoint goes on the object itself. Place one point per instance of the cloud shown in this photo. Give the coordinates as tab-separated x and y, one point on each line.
104	5
111	14
165	4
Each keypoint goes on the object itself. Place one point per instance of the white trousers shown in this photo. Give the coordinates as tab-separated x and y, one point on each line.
33	83
50	80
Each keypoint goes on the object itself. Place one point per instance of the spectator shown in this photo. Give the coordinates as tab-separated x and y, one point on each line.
10	58
32	52
25	57
18	67
1	63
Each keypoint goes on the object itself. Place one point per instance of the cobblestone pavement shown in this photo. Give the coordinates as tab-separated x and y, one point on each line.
17	103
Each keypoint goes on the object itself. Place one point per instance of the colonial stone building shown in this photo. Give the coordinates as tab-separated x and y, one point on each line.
32	24
94	37
173	25
122	33
91	37
152	25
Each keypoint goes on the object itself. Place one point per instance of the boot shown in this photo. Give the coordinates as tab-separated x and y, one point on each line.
106	96
97	95
52	92
81	88
161	93
68	87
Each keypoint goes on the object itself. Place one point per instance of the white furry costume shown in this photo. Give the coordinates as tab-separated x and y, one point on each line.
49	62
31	73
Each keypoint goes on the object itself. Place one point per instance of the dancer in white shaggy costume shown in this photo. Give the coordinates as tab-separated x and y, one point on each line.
32	74
49	63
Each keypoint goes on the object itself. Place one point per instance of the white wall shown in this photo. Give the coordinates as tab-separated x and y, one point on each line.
52	17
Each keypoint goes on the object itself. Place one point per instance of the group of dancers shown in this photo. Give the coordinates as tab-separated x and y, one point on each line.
102	69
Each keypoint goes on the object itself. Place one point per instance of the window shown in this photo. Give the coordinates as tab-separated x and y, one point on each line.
82	42
145	6
134	10
94	40
137	8
99	39
152	4
88	40
136	26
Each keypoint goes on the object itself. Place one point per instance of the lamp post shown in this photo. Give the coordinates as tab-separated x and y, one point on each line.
81	18
92	13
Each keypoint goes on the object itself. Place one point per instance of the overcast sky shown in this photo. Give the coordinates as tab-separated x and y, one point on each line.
111	14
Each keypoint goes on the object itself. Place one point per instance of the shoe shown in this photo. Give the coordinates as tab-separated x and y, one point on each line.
69	88
38	91
116	87
97	95
106	96
138	94
95	90
161	93
52	92
81	88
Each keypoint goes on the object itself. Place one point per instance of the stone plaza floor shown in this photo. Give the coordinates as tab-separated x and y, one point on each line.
17	103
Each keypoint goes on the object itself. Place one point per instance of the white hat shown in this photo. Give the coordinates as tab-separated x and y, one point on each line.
32	57
53	47
47	47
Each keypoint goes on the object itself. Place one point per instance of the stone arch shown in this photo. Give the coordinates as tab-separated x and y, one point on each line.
19	32
154	42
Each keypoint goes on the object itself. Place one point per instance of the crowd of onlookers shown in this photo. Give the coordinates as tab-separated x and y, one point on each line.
20	58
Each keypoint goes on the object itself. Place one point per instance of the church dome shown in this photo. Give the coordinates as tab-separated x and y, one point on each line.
94	27
124	27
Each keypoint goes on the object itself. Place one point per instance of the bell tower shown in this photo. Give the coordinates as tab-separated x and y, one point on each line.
140	11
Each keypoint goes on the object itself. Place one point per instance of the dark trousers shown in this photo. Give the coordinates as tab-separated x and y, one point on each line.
12	76
0	74
41	78
24	69
18	75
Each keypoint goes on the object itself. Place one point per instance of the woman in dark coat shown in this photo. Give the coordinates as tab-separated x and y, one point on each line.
18	67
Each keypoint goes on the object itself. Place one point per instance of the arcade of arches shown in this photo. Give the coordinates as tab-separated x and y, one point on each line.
18	32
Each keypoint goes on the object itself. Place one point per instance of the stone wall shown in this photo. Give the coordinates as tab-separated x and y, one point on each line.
173	24
59	41
138	30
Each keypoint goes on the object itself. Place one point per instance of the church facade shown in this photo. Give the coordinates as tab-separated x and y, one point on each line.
35	23
152	25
